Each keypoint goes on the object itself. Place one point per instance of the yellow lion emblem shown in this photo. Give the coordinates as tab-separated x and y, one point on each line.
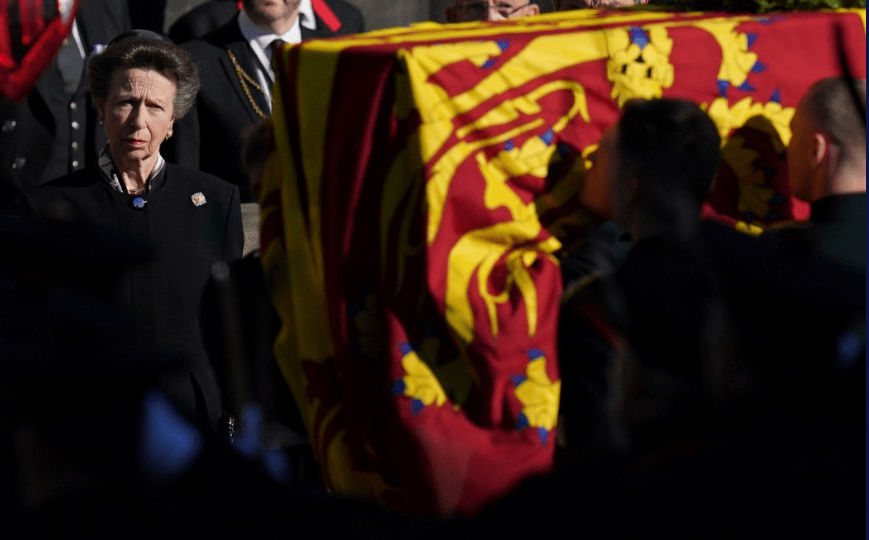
639	63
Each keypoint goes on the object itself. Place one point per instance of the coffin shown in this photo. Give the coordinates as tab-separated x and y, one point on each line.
421	185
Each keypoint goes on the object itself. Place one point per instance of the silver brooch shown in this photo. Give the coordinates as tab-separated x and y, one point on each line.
198	198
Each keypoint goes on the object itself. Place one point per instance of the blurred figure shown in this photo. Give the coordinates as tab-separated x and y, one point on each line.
141	84
640	281
804	298
258	143
240	326
490	10
73	383
675	416
236	71
664	155
827	168
91	443
54	131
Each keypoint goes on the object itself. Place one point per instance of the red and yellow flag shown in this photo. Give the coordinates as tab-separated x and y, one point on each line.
424	178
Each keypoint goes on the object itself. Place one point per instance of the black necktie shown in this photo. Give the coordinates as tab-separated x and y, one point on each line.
274	46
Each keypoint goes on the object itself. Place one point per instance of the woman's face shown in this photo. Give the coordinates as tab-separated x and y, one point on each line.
138	114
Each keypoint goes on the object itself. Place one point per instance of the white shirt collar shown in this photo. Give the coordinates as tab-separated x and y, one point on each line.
263	37
306	13
259	40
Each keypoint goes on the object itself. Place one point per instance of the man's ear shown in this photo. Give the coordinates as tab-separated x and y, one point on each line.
532	9
821	148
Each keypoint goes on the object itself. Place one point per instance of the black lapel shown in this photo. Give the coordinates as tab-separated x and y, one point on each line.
229	38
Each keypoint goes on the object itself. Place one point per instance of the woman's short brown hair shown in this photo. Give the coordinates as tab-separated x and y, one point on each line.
142	49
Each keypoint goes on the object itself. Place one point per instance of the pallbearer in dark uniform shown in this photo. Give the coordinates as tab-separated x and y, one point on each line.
141	83
54	130
827	167
234	64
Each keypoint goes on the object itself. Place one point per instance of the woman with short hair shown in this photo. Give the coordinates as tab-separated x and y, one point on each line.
141	84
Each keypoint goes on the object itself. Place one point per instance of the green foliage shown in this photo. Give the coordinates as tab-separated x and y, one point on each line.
766	6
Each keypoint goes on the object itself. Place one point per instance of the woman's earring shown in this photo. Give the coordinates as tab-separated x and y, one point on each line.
168	134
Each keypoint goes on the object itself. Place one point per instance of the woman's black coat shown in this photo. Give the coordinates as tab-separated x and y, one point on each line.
186	239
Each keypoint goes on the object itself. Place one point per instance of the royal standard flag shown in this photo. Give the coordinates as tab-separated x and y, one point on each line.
422	182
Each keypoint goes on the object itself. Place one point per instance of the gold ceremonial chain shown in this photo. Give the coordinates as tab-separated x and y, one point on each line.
244	78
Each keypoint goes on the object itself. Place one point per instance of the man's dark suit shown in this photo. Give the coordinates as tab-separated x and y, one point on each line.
31	129
202	19
212	135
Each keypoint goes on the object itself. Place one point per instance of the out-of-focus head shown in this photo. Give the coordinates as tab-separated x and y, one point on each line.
596	192
666	156
490	10
276	15
566	5
140	84
827	135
